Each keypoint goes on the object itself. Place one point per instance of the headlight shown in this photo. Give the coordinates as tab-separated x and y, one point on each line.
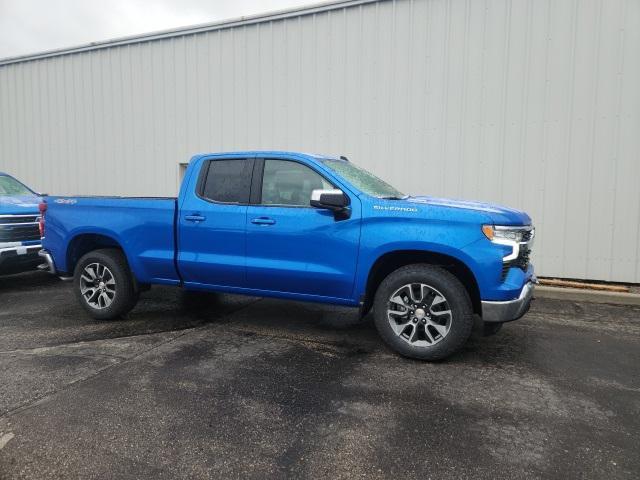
510	236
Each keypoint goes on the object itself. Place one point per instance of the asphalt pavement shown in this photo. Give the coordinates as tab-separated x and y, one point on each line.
217	386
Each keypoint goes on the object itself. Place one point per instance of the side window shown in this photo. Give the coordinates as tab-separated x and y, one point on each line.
289	183
228	181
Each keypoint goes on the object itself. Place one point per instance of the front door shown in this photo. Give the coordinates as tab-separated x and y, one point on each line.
293	247
212	225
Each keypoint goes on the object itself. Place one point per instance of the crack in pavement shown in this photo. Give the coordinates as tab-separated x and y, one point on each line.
40	398
36	400
337	345
88	343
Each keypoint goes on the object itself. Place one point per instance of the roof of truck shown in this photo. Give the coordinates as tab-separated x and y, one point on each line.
283	153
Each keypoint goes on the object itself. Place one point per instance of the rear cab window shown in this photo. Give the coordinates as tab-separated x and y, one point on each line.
227	181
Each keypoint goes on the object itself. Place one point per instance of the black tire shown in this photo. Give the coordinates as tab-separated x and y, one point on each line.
124	293
459	322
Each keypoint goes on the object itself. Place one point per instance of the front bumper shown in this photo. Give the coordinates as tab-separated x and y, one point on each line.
16	258
498	312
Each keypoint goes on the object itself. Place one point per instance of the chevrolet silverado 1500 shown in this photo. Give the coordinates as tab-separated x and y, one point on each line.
19	231
302	227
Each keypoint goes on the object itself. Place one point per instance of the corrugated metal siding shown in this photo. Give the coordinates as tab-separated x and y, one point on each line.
534	104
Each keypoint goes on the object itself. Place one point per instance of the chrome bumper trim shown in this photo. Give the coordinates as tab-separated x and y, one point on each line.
51	267
14	247
498	312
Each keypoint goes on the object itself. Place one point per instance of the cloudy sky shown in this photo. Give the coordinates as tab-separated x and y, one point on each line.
29	26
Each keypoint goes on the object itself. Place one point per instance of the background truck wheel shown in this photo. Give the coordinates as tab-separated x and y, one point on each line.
104	285
423	312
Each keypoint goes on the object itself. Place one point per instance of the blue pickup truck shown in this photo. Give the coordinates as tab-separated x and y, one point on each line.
302	227
19	226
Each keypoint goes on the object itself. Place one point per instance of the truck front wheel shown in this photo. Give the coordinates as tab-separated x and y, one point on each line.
423	312
104	285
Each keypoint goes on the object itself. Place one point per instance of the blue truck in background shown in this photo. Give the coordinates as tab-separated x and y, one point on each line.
302	227
19	226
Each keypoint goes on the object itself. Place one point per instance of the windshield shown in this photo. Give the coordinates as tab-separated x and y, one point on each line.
363	180
11	187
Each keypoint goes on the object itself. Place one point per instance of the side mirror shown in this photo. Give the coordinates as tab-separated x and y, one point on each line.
334	200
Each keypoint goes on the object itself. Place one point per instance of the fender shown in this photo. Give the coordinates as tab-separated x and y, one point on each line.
368	259
111	239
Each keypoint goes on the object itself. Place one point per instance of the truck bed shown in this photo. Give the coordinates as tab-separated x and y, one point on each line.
143	226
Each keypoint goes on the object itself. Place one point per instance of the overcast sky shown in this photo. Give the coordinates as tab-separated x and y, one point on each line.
29	26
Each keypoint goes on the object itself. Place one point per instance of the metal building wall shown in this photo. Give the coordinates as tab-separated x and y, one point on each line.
531	103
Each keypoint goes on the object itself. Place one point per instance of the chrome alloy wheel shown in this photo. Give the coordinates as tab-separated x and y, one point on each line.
97	286
419	314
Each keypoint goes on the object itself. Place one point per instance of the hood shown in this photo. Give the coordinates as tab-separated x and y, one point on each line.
498	214
19	205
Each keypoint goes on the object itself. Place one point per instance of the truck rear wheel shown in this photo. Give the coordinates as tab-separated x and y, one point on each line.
423	312
103	284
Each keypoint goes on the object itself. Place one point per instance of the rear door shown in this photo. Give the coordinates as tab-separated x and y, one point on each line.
293	247
212	224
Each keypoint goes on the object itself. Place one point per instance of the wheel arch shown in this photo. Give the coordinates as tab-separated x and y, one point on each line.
391	261
84	243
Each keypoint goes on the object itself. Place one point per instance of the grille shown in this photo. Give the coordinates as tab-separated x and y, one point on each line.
9	219
523	258
505	269
19	228
522	262
527	235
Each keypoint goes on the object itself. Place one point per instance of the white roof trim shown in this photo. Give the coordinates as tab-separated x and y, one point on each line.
194	29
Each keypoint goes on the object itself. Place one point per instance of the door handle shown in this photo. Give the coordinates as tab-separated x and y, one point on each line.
196	217
263	221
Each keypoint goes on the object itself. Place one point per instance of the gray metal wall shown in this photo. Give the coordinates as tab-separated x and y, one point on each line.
535	104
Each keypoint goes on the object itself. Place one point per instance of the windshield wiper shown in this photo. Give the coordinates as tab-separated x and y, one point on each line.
394	197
